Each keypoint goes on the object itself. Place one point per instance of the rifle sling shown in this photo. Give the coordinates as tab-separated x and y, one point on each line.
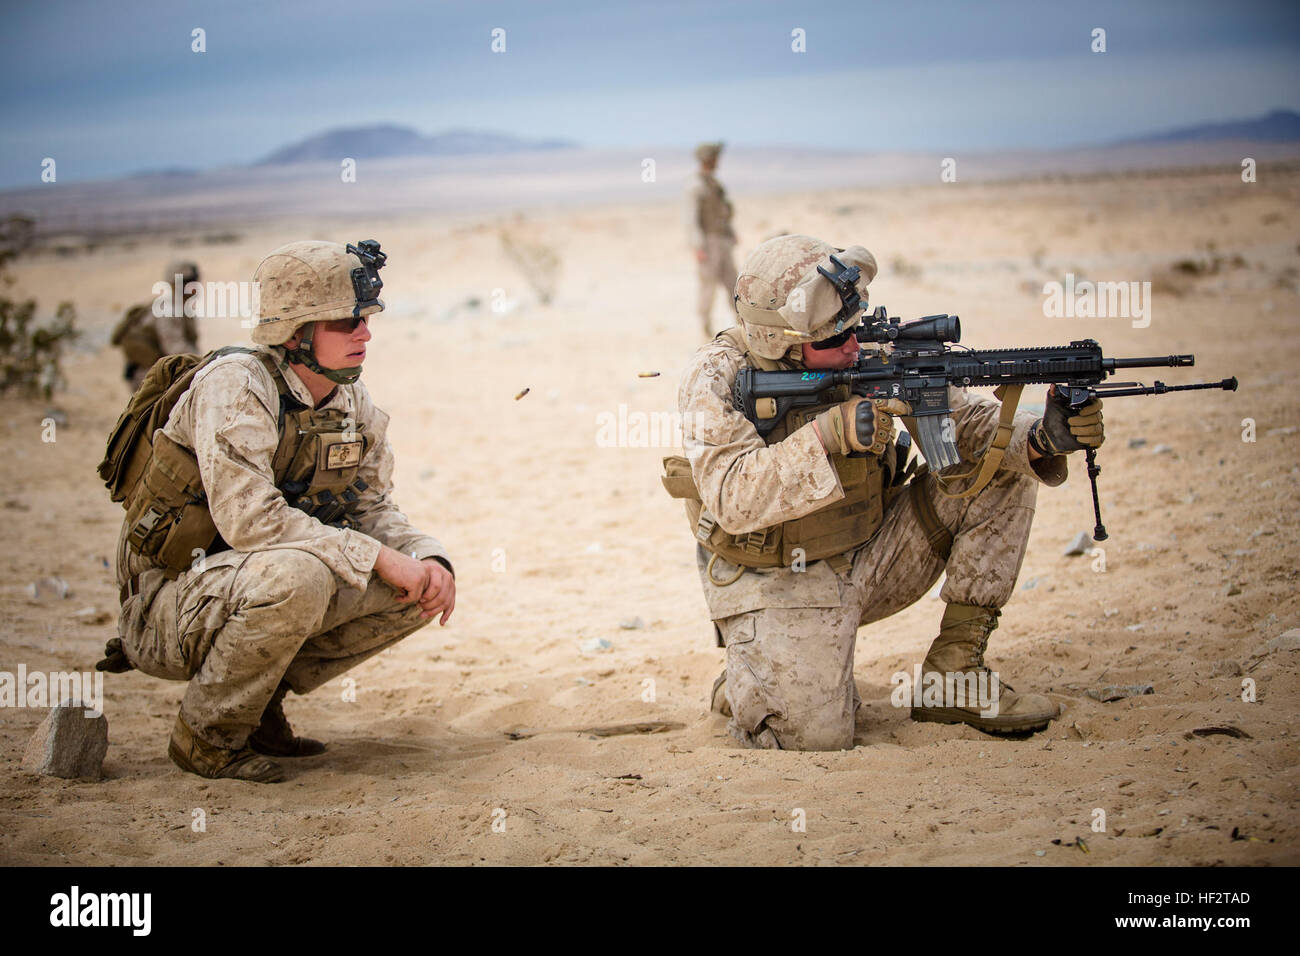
988	465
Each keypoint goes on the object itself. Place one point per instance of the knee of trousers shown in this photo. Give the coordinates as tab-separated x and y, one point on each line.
399	614
1007	490
800	718
1014	488
405	619
806	732
299	585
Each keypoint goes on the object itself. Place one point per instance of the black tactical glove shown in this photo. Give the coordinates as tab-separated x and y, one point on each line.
860	425
1059	431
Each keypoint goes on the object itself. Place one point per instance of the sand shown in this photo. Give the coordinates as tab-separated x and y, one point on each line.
559	541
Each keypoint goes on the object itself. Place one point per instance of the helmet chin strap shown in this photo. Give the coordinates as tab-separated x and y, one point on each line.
303	355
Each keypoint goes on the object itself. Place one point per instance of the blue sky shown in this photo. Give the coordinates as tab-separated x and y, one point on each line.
108	88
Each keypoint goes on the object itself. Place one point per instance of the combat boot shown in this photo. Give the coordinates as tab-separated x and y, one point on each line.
959	651
191	752
274	736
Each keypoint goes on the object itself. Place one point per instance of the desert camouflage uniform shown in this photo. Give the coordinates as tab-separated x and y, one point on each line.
293	598
790	635
709	229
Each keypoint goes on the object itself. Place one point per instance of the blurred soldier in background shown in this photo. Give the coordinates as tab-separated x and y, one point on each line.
708	222
145	336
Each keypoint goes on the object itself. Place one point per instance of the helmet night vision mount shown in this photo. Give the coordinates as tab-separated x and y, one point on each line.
365	278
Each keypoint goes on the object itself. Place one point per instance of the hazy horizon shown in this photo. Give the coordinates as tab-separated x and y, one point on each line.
110	91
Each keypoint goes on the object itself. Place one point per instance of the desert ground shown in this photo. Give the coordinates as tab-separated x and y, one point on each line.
559	542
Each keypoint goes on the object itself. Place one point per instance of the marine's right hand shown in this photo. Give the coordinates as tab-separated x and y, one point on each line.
860	425
403	573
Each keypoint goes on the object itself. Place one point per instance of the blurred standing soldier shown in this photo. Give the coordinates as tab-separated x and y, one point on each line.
145	336
273	470
709	232
800	542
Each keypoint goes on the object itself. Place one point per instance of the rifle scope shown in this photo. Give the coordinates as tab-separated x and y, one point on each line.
930	328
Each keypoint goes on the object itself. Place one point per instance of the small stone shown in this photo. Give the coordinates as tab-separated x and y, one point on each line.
596	645
1030	584
1112	611
1231	590
1134	627
593	548
1081	543
68	744
1136	442
427	474
45	589
1288	430
1161	450
631	624
1040	853
1289	641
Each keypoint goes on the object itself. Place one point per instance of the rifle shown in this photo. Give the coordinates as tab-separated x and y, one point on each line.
921	364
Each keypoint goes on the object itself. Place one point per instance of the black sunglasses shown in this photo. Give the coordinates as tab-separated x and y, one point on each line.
835	341
344	325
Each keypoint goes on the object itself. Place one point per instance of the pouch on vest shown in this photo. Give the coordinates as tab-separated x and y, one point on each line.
169	517
761	549
321	477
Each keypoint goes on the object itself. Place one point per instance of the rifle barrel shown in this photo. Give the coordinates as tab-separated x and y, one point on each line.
1154	361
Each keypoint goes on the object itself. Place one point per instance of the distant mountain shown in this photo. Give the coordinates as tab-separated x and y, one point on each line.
379	142
1279	126
169	172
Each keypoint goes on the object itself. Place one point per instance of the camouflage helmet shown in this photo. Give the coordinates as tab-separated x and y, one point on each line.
708	152
188	271
783	301
311	281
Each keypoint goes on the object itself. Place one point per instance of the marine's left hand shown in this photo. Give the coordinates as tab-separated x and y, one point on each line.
439	591
1062	430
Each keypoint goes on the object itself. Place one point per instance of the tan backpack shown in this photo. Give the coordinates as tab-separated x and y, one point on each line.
132	449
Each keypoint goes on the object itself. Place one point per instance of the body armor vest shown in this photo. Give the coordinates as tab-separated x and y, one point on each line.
828	533
315	466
